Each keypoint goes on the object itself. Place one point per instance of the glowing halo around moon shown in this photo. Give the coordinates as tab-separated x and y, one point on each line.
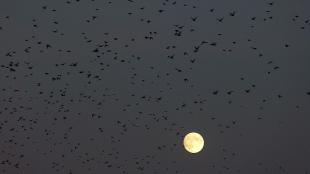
193	142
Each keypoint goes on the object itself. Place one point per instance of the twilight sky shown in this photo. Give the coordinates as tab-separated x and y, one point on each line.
94	86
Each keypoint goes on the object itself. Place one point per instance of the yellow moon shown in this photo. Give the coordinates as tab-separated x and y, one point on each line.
193	142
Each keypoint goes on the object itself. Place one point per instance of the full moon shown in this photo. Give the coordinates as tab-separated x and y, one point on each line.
193	142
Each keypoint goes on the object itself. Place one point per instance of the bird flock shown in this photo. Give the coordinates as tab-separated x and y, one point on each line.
90	86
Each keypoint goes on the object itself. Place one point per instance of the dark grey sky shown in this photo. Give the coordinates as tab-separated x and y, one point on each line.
89	86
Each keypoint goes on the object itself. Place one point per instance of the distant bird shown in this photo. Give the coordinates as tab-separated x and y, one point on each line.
193	19
233	13
220	19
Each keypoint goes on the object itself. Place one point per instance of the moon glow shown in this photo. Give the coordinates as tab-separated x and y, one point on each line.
193	142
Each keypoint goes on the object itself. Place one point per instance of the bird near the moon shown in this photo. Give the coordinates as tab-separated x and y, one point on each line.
193	142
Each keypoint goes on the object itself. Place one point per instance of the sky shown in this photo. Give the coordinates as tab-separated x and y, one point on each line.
89	86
